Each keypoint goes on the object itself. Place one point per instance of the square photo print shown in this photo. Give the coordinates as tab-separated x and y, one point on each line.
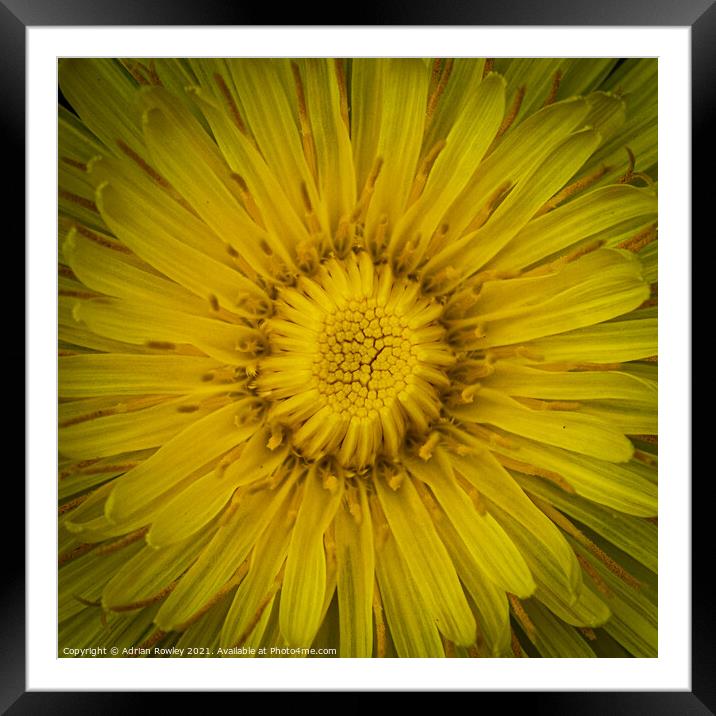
357	357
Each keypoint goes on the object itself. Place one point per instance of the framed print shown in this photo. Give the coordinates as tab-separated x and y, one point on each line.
357	334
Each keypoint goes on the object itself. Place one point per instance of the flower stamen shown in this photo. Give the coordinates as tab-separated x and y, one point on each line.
444	69
74	163
510	116
340	70
309	144
354	339
380	635
552	96
79	200
641	239
521	615
563	523
102	240
422	176
231	104
123	542
367	192
572	189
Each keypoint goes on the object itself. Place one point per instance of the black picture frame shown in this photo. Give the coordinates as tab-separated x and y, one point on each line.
17	15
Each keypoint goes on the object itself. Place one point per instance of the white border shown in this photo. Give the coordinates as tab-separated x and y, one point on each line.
671	671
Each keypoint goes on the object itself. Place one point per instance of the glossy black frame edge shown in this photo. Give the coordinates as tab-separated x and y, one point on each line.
700	15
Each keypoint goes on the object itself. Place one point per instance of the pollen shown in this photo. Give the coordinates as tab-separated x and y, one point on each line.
364	358
350	351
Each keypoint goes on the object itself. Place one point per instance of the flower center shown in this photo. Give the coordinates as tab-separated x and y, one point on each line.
365	356
357	361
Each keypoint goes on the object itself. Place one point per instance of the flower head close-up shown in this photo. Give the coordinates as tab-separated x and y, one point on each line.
358	357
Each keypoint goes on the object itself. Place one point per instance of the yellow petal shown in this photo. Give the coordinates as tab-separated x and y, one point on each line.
354	544
589	214
427	560
599	286
636	81
635	536
76	481
491	606
285	229
205	631
84	376
208	437
549	557
129	321
119	630
582	75
630	418
466	144
520	380
86	576
198	172
177	74
588	610
267	93
627	487
554	638
73	139
106	100
614	341
76	197
607	114
367	79
523	149
88	511
257	460
73	336
649	257
465	75
266	632
151	572
535	75
304	584
101	429
336	179
401	121
571	430
528	196
186	513
412	626
489	546
634	610
259	584
104	265
145	227
222	557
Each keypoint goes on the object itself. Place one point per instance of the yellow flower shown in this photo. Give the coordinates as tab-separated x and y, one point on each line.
358	355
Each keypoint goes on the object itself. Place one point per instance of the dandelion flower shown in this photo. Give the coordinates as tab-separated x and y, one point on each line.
358	355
